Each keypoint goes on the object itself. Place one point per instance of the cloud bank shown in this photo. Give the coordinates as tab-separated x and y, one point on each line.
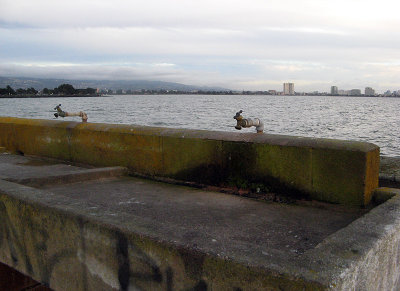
238	44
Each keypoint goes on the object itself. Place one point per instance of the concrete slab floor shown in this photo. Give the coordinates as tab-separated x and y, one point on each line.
226	225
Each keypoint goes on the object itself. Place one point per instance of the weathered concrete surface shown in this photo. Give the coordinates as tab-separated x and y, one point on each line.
365	254
222	224
389	175
127	233
335	171
382	194
35	171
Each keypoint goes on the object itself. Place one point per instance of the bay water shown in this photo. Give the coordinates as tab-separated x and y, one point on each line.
375	120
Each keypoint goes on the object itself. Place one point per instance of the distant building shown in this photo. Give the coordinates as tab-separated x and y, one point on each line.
272	92
334	90
387	93
369	91
355	92
288	88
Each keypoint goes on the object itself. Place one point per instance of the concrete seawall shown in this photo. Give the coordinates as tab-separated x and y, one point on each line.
344	172
76	221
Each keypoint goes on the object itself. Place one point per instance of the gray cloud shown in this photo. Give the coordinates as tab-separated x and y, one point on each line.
236	44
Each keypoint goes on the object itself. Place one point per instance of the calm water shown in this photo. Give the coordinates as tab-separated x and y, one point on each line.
374	120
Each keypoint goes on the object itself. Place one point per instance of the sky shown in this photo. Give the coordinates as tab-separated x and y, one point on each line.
235	44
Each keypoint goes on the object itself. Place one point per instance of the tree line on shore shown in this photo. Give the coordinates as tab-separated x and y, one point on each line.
62	90
69	90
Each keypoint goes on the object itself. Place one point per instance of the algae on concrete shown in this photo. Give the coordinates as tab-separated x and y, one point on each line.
344	172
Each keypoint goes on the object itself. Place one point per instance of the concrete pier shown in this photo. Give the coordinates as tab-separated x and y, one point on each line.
73	225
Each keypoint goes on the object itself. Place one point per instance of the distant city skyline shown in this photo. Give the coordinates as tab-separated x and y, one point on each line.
124	86
241	45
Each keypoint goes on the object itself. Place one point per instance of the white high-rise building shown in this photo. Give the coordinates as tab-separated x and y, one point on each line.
288	88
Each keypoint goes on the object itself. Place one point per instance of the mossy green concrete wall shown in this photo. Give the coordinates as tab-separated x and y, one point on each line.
335	171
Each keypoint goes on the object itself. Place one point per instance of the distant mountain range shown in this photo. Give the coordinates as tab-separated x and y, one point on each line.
39	84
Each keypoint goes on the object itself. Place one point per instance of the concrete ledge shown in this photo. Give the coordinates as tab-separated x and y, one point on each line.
38	172
382	194
335	171
72	177
363	255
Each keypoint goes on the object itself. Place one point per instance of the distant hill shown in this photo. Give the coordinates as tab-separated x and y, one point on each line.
39	84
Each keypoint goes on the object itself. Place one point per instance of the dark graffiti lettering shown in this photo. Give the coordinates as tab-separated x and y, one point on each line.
123	261
136	267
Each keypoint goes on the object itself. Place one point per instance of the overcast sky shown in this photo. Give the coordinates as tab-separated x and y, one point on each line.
237	44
